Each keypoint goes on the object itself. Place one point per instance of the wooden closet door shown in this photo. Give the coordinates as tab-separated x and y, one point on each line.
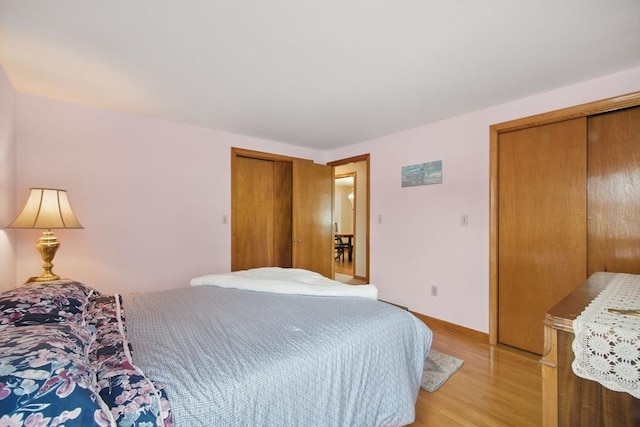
312	217
253	214
542	173
282	211
277	201
614	192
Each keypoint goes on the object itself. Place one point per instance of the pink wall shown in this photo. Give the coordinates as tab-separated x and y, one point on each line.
151	194
7	181
420	242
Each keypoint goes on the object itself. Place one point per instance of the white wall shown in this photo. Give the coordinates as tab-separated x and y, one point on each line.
7	181
150	194
342	211
420	242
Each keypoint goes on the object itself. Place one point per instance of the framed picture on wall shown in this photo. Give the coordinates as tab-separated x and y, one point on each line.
422	174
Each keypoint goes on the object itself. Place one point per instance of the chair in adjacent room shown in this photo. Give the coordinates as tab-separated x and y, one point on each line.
340	246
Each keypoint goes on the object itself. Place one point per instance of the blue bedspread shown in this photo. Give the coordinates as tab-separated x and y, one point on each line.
243	358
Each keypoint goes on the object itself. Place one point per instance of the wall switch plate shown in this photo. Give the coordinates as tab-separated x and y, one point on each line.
379	218
464	220
225	219
434	291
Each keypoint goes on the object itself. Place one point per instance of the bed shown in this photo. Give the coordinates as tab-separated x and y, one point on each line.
217	353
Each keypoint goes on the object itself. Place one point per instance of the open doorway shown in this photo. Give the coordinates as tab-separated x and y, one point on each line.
351	219
344	221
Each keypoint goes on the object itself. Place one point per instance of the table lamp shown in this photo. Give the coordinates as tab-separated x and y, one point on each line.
46	208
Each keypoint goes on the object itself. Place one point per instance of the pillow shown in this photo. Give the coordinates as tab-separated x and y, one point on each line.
132	397
45	302
45	377
133	400
107	352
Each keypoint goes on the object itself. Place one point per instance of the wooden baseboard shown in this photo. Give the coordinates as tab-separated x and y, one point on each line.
451	327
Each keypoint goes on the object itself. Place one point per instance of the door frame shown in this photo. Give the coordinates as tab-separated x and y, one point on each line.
588	109
356	159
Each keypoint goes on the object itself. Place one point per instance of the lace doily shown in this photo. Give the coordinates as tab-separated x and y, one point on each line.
607	345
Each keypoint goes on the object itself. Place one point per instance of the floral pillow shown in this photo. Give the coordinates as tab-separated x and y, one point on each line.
45	378
131	396
107	351
45	302
135	400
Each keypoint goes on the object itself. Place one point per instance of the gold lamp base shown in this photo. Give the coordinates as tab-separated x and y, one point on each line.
47	245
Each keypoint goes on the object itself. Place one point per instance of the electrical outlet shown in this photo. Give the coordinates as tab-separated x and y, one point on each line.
434	291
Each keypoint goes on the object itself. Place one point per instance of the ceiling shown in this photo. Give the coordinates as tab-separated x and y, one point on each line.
320	74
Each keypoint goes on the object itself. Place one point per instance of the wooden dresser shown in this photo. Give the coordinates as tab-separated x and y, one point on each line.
568	400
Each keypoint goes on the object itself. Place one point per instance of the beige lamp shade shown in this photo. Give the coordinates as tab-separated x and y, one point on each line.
46	208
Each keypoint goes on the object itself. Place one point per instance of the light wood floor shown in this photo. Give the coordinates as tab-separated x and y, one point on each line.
496	386
344	267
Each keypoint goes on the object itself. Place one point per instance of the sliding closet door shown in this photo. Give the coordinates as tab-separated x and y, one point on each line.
261	217
542	173
614	191
253	214
281	212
